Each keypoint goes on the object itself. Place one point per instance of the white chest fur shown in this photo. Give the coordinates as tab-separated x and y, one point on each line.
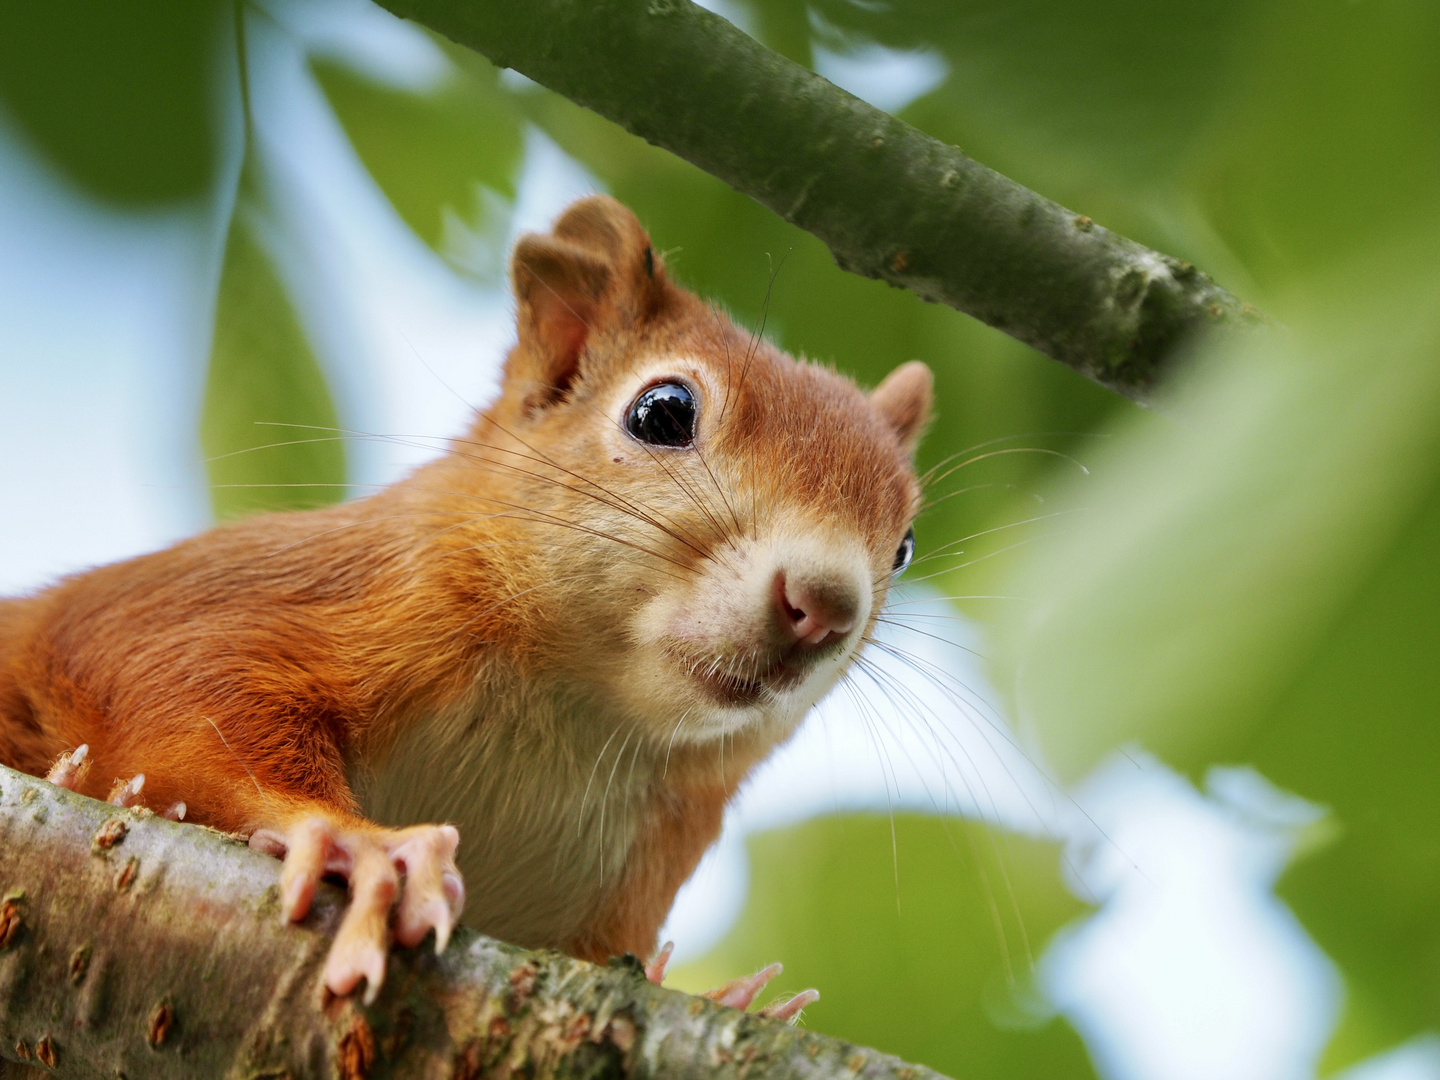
546	804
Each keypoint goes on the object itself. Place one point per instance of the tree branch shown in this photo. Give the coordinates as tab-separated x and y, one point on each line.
134	946
890	202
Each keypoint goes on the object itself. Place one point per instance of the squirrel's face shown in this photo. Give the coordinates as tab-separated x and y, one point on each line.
726	520
783	502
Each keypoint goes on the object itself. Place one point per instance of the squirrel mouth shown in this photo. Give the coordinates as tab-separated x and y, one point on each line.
735	690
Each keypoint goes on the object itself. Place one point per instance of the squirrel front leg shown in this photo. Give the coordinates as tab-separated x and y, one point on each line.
311	824
410	872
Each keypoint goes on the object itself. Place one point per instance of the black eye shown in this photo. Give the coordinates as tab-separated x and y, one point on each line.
905	552
664	415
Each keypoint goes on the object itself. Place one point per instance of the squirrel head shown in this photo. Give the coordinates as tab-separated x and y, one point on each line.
707	527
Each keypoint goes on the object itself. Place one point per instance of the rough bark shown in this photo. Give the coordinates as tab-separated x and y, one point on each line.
134	946
890	202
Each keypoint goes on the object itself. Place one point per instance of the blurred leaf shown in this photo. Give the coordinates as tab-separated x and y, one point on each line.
919	942
1359	729
783	25
1123	83
1098	104
432	153
1258	580
119	94
1327	141
268	427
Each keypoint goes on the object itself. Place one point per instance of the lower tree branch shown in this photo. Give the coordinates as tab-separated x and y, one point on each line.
890	202
131	946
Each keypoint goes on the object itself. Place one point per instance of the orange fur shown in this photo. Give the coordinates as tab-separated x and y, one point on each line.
490	610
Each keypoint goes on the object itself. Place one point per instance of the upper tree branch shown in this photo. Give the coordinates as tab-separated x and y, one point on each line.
133	946
891	202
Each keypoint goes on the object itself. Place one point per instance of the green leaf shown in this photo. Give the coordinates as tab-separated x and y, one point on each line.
1328	141
1256	579
919	941
433	153
1219	544
1358	729
268	427
1123	84
119	94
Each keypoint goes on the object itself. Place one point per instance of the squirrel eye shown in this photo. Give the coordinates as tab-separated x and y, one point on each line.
905	553
664	415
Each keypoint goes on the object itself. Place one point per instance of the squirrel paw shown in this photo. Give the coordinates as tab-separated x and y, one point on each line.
371	859
65	772
739	993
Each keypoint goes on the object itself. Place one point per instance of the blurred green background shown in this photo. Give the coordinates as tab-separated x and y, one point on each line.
1250	575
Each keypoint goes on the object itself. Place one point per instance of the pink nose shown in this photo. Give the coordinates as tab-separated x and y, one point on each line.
812	611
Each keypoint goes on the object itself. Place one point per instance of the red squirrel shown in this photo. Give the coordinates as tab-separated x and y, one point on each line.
572	635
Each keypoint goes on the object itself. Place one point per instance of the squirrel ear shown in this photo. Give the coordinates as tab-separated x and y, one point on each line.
903	399
594	271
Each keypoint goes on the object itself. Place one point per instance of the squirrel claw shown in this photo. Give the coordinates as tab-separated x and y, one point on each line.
790	1010
434	891
354	957
655	969
127	792
739	993
66	770
372	860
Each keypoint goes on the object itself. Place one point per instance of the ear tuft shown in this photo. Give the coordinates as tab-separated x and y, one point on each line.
903	399
595	270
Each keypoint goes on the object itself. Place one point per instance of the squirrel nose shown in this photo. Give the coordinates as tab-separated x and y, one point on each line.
812	611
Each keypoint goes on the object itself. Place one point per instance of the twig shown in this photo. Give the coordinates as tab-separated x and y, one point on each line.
890	201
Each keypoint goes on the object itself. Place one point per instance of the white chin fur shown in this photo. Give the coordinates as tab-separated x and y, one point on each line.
708	626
